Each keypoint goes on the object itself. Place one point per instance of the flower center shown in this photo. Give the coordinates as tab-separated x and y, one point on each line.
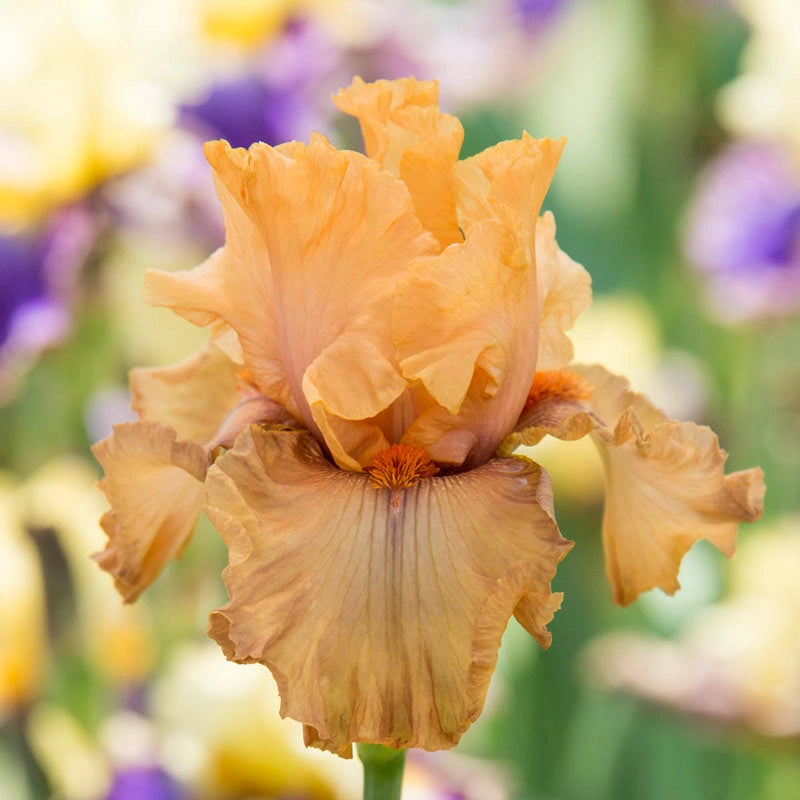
400	466
557	383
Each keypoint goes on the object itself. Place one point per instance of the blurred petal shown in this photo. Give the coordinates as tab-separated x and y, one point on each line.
390	633
155	487
665	482
404	130
23	623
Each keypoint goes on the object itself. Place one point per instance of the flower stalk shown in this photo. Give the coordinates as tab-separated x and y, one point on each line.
383	771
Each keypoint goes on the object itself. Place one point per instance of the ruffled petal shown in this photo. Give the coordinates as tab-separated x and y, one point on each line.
665	482
665	489
194	396
406	133
326	236
378	611
466	323
565	291
558	406
155	487
233	289
340	234
507	182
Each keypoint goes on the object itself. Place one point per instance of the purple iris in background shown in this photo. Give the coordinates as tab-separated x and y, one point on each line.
273	96
38	276
246	110
274	99
535	14
743	231
144	783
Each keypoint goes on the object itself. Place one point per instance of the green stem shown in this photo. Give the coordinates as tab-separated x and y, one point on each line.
383	771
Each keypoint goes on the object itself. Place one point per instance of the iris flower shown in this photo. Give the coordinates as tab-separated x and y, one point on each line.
384	331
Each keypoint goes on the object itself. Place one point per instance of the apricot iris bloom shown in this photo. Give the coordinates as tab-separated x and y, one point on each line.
384	330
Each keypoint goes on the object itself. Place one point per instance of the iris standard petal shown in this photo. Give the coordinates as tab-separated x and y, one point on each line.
666	487
233	288
565	291
390	633
480	302
312	306
340	233
406	133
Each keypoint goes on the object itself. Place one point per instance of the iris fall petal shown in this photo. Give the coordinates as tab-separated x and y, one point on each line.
665	482
193	397
390	633
155	487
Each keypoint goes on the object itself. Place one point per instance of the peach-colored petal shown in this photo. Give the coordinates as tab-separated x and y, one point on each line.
155	487
373	104
233	289
565	291
507	182
406	133
466	323
665	489
340	234
192	397
665	482
312	306
390	632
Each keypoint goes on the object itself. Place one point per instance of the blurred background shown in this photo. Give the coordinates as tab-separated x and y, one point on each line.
679	190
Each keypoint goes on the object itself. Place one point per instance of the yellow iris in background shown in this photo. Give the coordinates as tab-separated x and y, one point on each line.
384	331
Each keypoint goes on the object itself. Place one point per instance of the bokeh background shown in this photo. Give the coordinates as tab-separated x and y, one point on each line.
679	190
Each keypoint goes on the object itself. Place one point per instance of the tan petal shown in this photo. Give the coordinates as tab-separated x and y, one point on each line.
155	487
666	487
192	397
378	611
565	291
406	133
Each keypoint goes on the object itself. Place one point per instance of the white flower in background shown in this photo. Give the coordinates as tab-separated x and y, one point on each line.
764	101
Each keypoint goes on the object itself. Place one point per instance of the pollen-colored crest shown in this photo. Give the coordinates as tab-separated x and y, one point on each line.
400	467
558	383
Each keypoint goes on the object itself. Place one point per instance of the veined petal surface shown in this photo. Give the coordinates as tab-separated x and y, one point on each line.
389	632
666	487
233	289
